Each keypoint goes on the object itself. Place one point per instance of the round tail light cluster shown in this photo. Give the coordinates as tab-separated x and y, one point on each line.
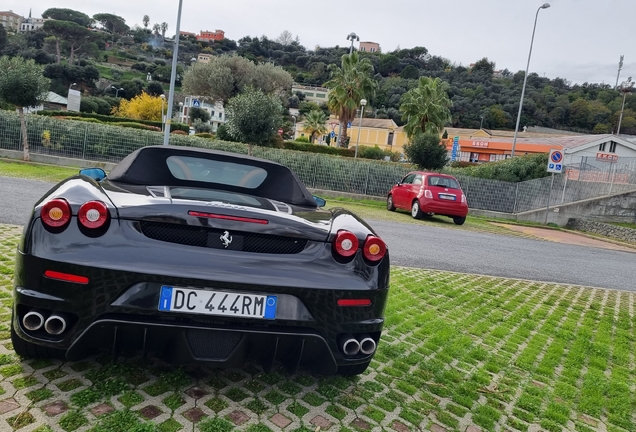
346	245
93	214
56	213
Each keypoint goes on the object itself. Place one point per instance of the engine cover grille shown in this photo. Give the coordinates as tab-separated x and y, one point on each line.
221	239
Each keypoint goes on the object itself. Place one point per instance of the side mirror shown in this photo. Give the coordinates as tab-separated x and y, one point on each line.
94	173
320	201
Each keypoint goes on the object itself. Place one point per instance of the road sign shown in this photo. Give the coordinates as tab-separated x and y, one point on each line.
333	134
280	131
455	152
555	162
196	103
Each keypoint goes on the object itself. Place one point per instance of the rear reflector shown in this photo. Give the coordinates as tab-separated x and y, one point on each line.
66	277
226	217
354	302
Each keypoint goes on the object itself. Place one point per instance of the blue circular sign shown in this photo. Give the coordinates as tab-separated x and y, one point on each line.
556	157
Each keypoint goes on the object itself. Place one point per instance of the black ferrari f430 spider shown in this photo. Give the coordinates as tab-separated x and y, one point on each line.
199	256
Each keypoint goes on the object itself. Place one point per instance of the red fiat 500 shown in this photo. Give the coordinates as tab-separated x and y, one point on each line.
426	194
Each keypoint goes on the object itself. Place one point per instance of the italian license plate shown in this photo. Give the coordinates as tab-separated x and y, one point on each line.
447	197
208	302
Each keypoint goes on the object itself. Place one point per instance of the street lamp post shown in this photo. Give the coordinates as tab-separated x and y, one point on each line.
352	36
163	119
626	87
117	90
173	77
294	135
363	102
525	79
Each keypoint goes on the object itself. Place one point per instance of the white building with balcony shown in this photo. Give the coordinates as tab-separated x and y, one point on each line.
216	111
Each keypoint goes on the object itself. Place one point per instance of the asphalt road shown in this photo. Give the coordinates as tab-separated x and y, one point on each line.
438	248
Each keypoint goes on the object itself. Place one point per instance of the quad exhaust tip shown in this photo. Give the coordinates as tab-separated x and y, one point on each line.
350	346
367	346
55	324
33	320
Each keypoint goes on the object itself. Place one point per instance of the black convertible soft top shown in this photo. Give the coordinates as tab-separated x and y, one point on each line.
148	166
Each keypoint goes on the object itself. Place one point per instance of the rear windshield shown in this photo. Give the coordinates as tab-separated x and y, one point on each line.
214	171
444	182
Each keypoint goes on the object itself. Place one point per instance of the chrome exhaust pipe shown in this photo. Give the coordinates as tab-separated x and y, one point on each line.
55	324
367	346
350	345
33	320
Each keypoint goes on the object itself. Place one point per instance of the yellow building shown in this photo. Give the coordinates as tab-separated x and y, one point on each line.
381	132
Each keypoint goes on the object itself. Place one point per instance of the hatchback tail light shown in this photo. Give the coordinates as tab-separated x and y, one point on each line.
56	213
374	249
428	194
346	244
463	198
93	214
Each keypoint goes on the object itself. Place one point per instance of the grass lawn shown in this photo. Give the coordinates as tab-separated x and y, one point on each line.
458	350
624	224
50	173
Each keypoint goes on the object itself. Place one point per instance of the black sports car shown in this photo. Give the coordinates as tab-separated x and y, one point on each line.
199	256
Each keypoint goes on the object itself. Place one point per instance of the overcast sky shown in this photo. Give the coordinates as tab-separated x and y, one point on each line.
580	40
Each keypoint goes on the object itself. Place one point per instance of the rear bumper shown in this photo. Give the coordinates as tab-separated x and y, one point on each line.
444	208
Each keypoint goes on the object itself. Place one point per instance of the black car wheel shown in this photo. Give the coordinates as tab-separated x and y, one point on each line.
416	211
389	203
29	350
459	220
353	369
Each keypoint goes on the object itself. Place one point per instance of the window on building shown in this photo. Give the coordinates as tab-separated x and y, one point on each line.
390	140
212	113
601	147
321	95
309	94
474	157
612	147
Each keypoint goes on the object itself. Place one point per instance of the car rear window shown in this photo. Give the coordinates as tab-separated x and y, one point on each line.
445	182
214	171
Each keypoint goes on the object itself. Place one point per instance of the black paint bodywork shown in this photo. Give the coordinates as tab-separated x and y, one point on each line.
118	308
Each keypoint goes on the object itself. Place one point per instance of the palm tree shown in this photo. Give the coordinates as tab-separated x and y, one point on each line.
146	21
156	28
349	84
164	29
426	107
315	124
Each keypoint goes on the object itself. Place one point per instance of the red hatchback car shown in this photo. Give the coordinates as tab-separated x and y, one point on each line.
426	194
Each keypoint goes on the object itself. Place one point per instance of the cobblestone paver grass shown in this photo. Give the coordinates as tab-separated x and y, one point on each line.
460	353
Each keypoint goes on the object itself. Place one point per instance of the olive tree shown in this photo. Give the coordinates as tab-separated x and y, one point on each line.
253	117
23	85
426	151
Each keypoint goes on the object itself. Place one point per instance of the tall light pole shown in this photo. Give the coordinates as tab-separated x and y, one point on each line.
173	77
117	90
525	79
363	102
352	36
163	118
626	87
620	66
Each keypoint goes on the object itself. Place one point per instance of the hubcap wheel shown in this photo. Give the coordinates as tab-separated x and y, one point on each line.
415	210
390	203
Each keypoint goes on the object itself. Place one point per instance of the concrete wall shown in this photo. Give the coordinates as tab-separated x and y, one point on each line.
608	230
57	160
611	208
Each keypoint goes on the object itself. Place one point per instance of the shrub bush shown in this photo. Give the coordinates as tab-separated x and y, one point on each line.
205	135
302	139
178	132
111	119
315	148
136	126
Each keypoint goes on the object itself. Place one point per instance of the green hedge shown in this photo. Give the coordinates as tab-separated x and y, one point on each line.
111	119
315	148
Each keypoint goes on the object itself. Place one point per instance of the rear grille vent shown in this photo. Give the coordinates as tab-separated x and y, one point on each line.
218	239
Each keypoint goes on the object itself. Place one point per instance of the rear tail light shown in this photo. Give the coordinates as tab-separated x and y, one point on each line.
93	214
346	244
354	302
374	249
56	213
428	194
463	198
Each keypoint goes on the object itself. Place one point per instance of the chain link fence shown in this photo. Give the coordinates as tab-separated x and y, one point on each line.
100	142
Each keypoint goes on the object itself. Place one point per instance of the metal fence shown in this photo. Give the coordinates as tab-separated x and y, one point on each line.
99	142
